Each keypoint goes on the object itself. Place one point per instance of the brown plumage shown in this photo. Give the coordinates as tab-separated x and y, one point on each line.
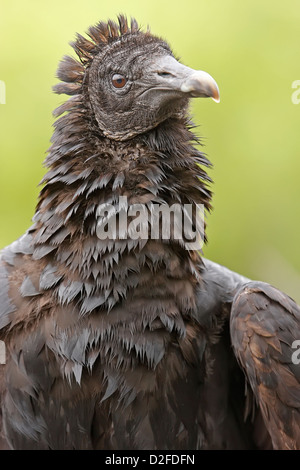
125	343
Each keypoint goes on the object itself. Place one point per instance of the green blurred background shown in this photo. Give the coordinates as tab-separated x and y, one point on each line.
251	48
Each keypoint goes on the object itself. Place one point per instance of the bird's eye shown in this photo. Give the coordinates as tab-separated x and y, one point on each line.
119	81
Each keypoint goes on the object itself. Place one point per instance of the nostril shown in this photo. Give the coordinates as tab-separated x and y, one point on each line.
164	74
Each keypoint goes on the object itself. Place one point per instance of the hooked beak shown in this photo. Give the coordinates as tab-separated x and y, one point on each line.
172	75
201	84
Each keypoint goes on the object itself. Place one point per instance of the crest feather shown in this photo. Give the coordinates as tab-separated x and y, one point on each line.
134	26
71	71
123	25
97	33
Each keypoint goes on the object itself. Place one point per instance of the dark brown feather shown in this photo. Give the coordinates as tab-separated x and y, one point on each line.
264	324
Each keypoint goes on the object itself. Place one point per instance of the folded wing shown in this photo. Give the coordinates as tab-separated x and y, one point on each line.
264	324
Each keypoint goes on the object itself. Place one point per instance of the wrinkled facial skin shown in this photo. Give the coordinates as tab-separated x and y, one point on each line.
141	103
134	86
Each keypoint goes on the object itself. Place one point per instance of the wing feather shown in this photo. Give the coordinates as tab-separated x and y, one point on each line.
264	324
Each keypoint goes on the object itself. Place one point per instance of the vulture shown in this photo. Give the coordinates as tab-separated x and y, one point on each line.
116	339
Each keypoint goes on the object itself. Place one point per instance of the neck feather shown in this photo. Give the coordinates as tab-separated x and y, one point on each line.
160	166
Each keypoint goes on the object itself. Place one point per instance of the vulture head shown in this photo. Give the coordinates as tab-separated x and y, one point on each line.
130	79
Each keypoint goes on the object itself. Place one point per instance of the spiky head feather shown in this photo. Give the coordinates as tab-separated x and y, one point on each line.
72	72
